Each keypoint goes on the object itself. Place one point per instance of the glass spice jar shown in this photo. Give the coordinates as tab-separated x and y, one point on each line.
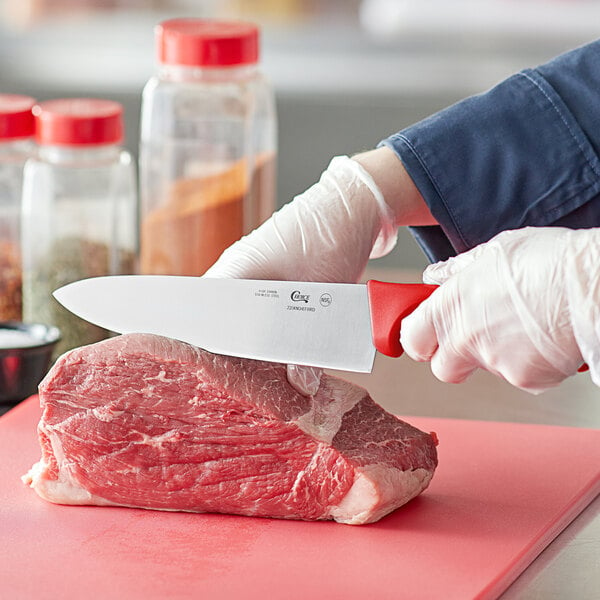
208	145
79	209
16	146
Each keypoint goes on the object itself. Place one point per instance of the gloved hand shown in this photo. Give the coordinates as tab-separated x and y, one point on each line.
524	306
328	233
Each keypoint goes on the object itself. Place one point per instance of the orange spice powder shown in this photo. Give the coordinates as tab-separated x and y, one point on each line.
202	216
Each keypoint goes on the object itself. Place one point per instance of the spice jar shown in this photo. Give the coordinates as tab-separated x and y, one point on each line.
79	209
16	146
207	147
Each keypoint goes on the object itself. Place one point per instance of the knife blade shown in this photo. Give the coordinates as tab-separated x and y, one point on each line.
330	325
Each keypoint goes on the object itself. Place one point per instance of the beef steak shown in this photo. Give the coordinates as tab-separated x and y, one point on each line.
145	421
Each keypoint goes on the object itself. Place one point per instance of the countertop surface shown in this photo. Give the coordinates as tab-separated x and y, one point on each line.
570	566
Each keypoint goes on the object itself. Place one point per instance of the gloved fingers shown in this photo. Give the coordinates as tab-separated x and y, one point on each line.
242	260
420	341
452	367
418	335
440	272
305	380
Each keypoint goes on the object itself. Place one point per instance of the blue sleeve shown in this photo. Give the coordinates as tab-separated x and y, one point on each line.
525	153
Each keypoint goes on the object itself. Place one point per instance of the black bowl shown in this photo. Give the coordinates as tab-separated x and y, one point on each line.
25	354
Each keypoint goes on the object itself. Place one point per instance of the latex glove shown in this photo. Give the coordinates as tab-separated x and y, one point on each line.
328	233
524	306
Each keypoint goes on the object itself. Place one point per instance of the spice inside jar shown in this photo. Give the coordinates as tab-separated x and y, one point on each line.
69	260
10	282
201	218
16	146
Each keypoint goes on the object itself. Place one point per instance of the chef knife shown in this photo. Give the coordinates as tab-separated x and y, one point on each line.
329	325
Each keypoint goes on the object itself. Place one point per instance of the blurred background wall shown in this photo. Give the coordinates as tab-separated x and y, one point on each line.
346	73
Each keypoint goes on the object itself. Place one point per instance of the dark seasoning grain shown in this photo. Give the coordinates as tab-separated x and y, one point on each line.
69	260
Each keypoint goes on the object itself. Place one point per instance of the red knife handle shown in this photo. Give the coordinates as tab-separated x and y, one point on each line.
389	303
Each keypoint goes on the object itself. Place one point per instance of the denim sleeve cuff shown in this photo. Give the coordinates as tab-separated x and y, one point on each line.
512	157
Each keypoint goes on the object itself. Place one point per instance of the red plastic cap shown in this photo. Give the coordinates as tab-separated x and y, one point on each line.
205	43
16	118
78	121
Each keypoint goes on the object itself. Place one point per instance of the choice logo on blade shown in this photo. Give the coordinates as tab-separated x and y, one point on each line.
296	296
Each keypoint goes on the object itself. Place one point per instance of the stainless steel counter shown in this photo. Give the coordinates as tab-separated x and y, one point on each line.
569	568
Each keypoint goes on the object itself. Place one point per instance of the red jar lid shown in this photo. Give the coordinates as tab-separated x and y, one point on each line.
16	118
78	121
206	43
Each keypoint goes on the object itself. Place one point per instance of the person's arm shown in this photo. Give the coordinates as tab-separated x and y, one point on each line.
515	156
396	186
525	153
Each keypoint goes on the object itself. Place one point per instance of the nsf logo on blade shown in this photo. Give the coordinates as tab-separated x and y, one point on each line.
325	300
297	296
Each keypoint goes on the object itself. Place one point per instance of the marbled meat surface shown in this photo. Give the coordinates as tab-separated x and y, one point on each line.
145	421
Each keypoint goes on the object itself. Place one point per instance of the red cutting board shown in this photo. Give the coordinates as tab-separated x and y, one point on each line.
502	492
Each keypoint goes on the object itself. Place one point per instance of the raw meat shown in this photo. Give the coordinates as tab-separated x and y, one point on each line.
145	421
